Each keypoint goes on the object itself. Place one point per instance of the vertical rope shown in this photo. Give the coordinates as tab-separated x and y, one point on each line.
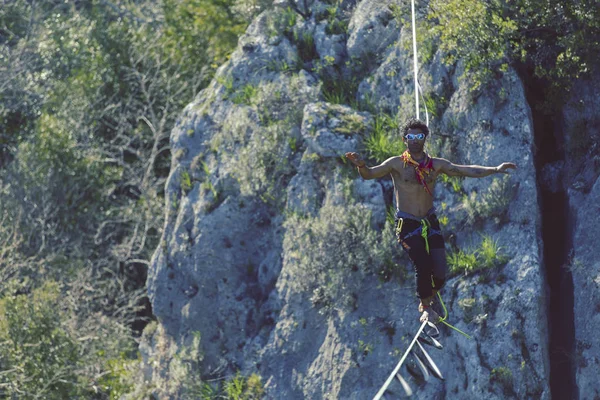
418	88
424	105
415	66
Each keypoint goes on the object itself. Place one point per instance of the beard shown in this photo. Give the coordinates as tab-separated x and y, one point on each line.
415	148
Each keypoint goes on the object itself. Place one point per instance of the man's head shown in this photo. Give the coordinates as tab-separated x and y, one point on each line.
414	133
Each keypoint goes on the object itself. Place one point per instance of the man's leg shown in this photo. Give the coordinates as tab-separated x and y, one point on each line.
438	255
422	261
439	268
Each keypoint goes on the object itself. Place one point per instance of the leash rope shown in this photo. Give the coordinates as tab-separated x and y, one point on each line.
443	320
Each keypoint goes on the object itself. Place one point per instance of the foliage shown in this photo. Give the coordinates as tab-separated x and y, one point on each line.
479	25
427	35
385	141
246	95
364	348
213	27
49	349
460	261
307	50
37	355
504	377
490	253
487	256
93	157
492	204
336	23
186	181
264	165
454	181
89	95
545	36
241	388
119	379
337	90
336	87
331	252
340	82
282	21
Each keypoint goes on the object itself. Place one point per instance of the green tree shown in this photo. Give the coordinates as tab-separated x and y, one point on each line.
553	40
38	357
89	92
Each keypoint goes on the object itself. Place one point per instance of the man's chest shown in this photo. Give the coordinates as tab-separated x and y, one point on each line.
409	176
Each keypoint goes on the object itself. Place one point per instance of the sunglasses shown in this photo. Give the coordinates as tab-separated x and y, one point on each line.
417	136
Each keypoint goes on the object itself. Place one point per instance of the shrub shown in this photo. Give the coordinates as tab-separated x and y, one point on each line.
488	36
504	377
119	378
486	257
459	262
39	357
489	253
262	167
338	90
453	181
241	388
384	141
246	95
336	24
307	50
331	252
492	204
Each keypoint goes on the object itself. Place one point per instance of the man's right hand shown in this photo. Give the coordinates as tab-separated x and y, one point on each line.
355	159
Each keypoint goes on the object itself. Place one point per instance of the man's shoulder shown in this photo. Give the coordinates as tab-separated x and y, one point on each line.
438	159
439	162
395	162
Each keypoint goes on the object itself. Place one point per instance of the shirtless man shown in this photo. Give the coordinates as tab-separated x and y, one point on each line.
417	228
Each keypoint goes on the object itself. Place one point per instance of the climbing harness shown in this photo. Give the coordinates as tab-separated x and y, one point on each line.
425	230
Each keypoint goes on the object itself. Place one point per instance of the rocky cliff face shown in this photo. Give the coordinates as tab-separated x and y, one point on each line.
283	258
580	129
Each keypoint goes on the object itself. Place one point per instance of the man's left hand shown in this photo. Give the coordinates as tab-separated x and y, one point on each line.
502	168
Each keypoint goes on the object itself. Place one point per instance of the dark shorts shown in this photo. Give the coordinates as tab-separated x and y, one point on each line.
430	266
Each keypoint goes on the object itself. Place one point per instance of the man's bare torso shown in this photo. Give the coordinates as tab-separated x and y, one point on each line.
411	196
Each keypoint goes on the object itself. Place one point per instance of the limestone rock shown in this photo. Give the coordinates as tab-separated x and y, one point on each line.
581	123
372	29
284	259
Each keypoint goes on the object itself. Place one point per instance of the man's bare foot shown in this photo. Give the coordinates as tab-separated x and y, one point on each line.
429	315
427	301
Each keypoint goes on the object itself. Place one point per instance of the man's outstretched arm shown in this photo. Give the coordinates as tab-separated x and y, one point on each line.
378	171
472	171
